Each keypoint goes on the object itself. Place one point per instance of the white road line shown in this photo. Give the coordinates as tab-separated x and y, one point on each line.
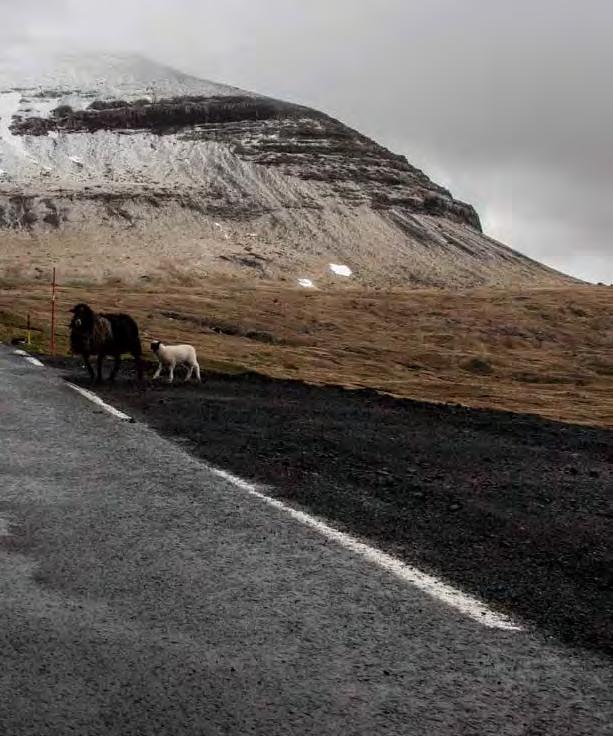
428	584
35	361
90	396
432	586
29	358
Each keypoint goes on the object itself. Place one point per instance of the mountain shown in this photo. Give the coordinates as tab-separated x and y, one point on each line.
118	167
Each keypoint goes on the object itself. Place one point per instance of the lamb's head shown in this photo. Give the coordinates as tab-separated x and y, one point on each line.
155	347
82	318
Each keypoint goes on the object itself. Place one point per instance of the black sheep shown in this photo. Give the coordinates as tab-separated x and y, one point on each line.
102	335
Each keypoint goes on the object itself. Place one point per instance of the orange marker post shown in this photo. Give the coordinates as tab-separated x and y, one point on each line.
53	315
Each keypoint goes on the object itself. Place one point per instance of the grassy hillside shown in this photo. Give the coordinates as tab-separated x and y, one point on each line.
548	352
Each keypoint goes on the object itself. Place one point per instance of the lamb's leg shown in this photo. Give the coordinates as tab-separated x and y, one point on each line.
138	359
158	373
90	370
171	372
197	369
101	358
189	374
115	368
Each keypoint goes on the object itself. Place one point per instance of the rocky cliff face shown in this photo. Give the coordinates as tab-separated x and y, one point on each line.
118	167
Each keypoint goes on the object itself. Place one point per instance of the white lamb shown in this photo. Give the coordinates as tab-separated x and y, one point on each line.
170	356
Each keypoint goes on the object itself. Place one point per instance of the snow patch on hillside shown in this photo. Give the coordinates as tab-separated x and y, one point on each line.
341	270
9	106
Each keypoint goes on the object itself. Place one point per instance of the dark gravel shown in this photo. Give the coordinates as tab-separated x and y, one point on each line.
515	509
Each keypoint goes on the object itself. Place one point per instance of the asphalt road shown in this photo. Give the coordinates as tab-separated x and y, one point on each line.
514	509
142	594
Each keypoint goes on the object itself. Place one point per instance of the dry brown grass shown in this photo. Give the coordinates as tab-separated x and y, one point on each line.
547	352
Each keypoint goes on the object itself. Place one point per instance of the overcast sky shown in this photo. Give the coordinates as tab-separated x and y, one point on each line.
508	103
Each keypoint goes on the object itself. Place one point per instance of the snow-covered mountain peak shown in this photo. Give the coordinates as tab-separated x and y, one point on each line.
155	171
102	75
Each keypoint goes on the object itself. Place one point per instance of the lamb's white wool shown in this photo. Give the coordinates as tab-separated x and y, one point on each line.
170	356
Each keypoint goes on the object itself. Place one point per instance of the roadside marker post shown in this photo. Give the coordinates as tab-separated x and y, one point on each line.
53	315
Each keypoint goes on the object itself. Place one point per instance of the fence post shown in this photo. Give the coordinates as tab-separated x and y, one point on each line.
53	315
29	330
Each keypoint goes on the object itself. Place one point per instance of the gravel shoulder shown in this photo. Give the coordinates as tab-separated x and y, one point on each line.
515	509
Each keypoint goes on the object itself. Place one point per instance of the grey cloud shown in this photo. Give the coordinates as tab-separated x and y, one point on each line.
21	17
507	103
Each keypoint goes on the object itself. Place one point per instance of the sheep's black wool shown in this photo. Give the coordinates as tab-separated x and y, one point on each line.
102	335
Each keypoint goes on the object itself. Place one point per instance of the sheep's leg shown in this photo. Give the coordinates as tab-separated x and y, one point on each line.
197	369
139	364
171	373
115	368
158	373
90	370
101	358
189	374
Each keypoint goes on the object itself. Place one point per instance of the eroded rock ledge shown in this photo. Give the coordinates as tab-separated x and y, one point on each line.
304	143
